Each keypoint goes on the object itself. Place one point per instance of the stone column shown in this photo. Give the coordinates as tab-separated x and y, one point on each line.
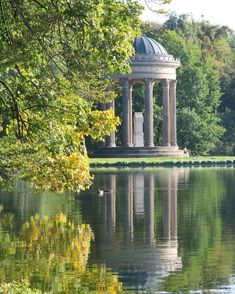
126	99
166	113
148	115
110	140
173	134
130	116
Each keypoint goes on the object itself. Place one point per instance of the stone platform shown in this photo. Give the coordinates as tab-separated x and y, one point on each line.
135	152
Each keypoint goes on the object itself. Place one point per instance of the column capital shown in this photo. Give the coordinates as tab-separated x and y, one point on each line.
165	83
148	82
124	82
131	86
173	83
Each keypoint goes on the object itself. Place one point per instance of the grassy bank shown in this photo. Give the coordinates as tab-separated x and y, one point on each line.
163	161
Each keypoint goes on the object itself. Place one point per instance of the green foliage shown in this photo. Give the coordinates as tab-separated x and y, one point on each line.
199	132
217	43
227	144
183	24
198	94
56	58
214	40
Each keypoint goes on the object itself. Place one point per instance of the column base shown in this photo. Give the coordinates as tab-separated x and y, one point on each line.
101	144
111	145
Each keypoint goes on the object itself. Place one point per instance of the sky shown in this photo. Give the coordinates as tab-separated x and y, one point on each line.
216	12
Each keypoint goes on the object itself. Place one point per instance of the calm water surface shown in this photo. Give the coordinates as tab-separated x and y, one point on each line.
160	230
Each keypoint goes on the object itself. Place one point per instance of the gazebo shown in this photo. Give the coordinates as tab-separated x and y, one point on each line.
151	64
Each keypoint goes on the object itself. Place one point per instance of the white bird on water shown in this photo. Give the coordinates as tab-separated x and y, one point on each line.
101	192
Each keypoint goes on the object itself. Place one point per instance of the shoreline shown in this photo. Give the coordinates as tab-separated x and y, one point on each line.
161	162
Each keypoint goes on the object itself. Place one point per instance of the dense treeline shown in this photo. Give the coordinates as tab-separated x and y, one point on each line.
206	82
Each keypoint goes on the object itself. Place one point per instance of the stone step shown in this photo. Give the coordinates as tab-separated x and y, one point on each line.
122	152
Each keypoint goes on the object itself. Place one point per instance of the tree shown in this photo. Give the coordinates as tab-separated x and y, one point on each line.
56	57
198	94
216	42
183	24
155	5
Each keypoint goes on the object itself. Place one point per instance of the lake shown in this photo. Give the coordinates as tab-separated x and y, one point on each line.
161	230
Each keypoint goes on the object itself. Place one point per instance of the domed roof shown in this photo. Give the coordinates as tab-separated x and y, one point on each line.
148	46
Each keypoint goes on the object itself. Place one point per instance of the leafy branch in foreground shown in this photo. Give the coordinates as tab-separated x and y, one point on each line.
56	60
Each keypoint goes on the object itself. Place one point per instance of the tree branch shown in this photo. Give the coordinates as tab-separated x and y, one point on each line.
15	110
40	4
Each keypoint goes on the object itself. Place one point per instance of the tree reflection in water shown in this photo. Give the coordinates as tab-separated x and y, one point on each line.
51	254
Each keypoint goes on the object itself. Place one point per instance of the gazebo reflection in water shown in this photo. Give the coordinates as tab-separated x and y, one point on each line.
137	232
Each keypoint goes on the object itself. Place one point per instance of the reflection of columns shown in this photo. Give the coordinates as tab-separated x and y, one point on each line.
174	183
170	182
167	208
110	140
149	207
166	113
128	210
139	194
173	136
111	206
148	115
126	105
